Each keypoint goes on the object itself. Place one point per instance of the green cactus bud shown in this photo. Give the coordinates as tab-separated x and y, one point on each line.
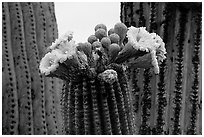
100	33
92	39
85	47
100	26
96	45
111	31
121	30
113	51
114	38
105	42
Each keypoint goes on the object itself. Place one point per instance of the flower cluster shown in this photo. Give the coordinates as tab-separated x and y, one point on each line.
61	51
102	49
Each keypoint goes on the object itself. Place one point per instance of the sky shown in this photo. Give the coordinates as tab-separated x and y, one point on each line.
82	17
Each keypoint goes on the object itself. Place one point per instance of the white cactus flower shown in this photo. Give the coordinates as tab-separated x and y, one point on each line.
149	42
49	63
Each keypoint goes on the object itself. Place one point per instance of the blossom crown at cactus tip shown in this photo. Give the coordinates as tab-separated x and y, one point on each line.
107	46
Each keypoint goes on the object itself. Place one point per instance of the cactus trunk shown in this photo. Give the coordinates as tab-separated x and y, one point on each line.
26	93
97	107
173	90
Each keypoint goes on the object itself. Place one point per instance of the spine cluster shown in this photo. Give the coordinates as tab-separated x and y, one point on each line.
28	100
196	66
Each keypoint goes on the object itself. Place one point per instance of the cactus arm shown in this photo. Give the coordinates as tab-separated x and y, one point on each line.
9	90
37	81
22	71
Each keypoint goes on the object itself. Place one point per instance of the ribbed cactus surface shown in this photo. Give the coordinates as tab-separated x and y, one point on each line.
31	102
168	103
92	106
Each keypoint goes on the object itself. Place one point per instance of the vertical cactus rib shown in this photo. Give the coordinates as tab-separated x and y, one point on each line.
66	106
86	107
136	99
77	109
122	78
146	99
161	95
121	13
37	81
79	112
9	90
142	19
170	22
132	23
121	108
186	73
154	78
146	104
161	101
112	104
21	69
55	90
71	105
136	89
105	116
179	73
194	97
41	38
52	26
96	117
63	107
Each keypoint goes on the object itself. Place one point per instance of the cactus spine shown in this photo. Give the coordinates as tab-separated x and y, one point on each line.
24	88
10	113
97	107
175	21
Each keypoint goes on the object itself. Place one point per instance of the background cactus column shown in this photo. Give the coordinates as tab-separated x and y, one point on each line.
30	101
176	91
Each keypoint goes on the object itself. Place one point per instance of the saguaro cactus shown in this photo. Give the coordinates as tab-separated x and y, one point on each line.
30	101
97	99
176	91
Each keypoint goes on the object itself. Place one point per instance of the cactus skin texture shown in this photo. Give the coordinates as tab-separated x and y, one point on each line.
97	107
30	101
176	92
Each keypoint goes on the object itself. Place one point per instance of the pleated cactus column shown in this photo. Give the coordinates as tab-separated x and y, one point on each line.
96	98
97	107
29	99
176	92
